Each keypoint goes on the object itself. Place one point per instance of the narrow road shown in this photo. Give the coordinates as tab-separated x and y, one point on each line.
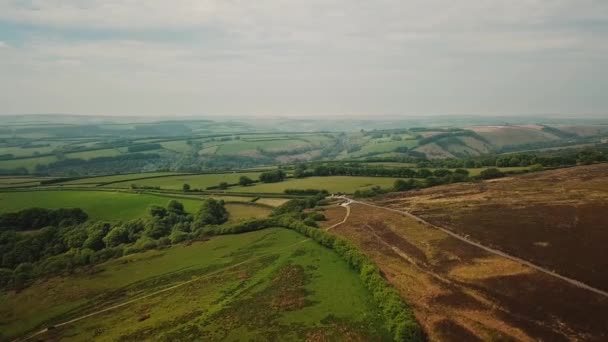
570	281
153	293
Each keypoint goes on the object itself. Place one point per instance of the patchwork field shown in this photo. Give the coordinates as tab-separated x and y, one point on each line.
112	206
265	285
345	184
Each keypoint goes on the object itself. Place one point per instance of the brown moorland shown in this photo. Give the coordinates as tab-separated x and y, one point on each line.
461	292
556	219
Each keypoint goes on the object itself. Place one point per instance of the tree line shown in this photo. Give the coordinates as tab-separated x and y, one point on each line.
65	240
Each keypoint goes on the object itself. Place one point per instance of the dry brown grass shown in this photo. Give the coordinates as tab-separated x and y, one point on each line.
460	292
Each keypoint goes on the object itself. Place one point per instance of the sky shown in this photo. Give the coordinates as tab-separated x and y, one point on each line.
304	58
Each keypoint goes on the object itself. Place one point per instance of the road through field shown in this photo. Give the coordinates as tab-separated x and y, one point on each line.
571	281
74	320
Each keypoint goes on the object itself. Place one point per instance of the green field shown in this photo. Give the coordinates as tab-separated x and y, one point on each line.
116	178
195	181
380	147
177	146
109	152
237	147
272	284
28	163
111	206
332	184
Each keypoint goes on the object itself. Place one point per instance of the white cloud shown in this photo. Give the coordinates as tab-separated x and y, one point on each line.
385	56
3	45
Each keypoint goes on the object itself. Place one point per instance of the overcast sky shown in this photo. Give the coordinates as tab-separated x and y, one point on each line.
343	57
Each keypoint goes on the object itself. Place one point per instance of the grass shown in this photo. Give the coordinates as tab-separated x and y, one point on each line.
116	178
237	147
380	147
332	184
111	206
195	181
177	146
110	152
264	285
28	163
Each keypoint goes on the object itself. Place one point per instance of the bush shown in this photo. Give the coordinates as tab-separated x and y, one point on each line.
245	181
272	176
491	173
211	212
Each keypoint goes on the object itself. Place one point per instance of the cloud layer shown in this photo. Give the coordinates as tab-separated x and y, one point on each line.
340	57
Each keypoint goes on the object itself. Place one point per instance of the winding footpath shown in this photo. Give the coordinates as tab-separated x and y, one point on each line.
570	281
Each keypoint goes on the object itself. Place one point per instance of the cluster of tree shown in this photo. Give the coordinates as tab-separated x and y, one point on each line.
6	156
144	187
339	169
272	176
36	218
245	181
144	147
67	244
438	177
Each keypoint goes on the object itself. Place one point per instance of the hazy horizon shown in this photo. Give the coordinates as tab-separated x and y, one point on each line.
336	59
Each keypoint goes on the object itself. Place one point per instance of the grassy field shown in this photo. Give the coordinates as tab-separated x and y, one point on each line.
267	285
195	181
28	163
111	206
379	147
116	178
238	147
344	184
177	146
109	152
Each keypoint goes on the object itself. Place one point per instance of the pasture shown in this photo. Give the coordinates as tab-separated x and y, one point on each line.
264	285
112	206
115	178
201	181
332	184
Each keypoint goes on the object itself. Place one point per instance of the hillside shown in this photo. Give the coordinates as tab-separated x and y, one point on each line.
553	218
460	291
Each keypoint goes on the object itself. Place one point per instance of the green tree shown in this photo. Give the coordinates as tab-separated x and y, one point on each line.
245	181
272	176
491	173
404	185
223	186
175	207
186	187
118	235
211	212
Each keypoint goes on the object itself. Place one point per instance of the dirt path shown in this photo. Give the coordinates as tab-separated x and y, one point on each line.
344	205
153	293
571	281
